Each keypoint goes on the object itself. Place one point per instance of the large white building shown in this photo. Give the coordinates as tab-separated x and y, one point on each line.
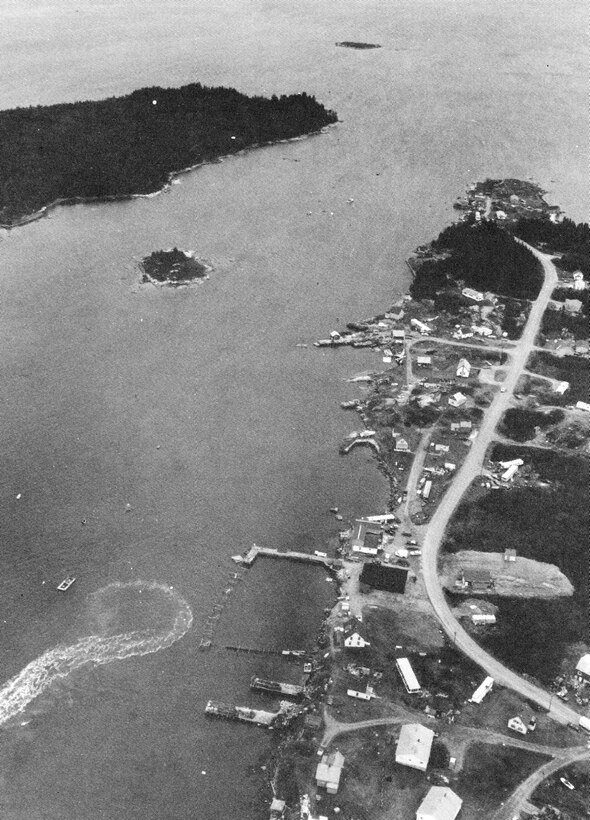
328	772
583	667
413	746
441	803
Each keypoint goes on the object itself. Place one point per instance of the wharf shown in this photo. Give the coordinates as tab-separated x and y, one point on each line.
242	713
285	653
248	558
276	688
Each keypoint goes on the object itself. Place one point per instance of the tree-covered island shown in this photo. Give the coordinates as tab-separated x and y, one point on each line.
124	146
173	267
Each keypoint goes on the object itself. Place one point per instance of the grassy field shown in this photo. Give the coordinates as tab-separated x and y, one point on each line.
573	803
491	773
546	524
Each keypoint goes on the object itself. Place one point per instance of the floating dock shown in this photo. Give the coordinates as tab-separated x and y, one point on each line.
248	558
242	713
291	690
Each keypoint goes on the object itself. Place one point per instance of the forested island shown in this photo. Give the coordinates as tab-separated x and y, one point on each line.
130	145
172	267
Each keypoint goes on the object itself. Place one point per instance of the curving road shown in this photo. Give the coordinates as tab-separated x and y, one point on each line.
470	469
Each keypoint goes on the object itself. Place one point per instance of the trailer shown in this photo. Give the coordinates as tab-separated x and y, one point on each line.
482	690
408	677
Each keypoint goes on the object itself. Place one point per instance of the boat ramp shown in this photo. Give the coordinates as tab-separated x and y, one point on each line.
248	558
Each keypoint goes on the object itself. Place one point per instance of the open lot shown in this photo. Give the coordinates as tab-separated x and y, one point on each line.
574	803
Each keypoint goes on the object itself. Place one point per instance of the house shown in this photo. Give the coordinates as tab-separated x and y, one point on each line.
441	448
561	387
470	293
398	336
509	555
413	746
579	283
421	326
366	534
305	809
441	803
482	330
505	464
457	400
426	490
401	445
386	578
475	579
328	772
277	809
455	426
312	723
517	725
583	667
483	618
463	369
355	636
501	215
465	425
509	474
572	306
583	405
448	465
424	361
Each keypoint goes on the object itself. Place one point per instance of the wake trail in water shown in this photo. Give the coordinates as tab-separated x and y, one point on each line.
60	661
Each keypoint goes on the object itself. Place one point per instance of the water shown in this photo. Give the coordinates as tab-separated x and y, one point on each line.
194	406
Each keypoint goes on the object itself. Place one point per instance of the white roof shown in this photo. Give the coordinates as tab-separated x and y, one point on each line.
441	803
583	665
330	768
413	746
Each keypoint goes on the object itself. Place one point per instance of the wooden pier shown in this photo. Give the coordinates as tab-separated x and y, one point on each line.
296	654
274	687
242	713
248	558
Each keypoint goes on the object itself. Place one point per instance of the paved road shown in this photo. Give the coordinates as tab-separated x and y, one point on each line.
471	467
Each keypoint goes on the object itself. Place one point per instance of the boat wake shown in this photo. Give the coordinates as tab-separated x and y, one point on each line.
161	617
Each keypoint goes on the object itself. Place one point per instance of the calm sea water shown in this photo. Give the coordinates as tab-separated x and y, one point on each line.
195	407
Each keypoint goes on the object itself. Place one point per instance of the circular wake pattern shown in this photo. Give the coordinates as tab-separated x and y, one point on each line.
152	604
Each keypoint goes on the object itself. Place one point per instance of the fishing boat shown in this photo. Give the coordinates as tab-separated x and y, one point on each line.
66	583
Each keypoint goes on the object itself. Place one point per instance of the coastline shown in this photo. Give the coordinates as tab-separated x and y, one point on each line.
83	200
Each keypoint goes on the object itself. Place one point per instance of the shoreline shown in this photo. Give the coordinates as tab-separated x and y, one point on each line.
87	200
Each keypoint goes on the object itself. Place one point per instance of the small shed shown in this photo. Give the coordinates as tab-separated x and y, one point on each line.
573	306
509	555
398	336
401	445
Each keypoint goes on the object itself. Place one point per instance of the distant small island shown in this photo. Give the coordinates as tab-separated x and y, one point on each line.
132	145
173	267
350	44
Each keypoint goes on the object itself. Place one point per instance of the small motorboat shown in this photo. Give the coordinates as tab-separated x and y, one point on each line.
66	583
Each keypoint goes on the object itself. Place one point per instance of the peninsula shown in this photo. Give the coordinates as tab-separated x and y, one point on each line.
131	145
461	621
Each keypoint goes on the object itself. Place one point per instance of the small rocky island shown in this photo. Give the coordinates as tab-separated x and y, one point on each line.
351	44
173	267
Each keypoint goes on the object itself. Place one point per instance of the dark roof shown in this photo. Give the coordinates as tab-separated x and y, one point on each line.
477	576
379	576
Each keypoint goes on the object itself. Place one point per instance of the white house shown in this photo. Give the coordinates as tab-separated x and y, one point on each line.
573	305
470	293
583	405
355	636
398	336
583	667
463	369
561	387
517	725
421	326
457	400
441	803
413	746
579	283
328	772
402	444
424	361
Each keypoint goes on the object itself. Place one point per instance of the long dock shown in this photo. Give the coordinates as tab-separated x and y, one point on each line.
285	653
274	687
248	558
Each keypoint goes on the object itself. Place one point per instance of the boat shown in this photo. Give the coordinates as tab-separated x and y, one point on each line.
66	583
